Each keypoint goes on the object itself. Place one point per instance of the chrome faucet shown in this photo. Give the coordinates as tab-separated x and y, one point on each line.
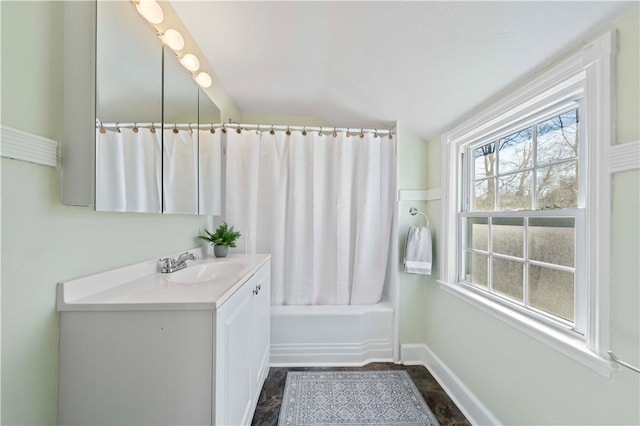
168	265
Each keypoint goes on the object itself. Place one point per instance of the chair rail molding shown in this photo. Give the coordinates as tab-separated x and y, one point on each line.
25	146
419	194
625	156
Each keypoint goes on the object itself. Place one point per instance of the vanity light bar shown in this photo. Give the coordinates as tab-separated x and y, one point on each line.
152	12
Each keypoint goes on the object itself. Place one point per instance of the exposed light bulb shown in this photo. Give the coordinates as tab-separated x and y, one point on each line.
190	62
173	39
203	79
150	10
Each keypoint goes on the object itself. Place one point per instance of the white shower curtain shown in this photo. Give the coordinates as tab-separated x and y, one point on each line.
180	174
128	170
210	176
321	205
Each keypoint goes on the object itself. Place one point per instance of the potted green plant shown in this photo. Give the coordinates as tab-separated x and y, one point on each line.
222	239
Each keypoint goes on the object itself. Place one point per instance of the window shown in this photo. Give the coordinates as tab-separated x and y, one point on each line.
525	206
518	219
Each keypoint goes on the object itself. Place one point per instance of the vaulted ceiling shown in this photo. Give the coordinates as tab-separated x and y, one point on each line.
368	64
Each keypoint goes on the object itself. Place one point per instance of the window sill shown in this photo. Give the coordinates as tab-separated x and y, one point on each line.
556	339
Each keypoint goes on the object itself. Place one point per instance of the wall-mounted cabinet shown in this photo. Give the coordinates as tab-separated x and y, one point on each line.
180	144
131	113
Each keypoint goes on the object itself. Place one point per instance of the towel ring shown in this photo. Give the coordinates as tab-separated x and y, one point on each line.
413	211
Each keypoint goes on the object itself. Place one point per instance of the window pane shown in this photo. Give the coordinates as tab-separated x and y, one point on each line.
516	152
552	240
484	160
478	233
484	195
558	138
515	191
476	268
506	278
558	186
508	236
552	291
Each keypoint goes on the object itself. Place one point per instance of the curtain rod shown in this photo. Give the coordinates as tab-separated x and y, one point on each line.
257	127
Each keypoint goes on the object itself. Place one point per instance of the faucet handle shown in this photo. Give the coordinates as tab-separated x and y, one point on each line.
187	255
167	262
167	265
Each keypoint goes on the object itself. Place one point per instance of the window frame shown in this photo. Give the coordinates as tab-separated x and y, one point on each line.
585	77
577	213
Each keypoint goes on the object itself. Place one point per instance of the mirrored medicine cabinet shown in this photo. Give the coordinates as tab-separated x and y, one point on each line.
141	141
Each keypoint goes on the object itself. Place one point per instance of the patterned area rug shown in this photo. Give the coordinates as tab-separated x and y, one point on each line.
326	398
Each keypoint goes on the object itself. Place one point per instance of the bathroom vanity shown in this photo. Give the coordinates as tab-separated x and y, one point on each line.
141	347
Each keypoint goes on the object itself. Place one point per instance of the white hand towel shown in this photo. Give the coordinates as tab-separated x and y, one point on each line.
417	252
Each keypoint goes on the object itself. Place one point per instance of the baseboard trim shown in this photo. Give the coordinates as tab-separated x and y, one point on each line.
476	412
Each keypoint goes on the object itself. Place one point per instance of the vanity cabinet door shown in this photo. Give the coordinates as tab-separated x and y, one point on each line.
262	328
242	349
234	358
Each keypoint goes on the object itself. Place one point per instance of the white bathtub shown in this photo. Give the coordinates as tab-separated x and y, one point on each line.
331	335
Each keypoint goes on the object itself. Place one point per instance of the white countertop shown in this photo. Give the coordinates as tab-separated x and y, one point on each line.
143	287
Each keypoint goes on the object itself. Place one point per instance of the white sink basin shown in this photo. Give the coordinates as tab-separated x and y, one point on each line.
205	272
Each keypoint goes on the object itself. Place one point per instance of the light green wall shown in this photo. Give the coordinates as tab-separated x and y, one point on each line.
65	242
628	79
519	379
412	175
43	241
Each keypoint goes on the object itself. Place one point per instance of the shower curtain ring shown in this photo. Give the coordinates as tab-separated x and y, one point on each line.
190	129
175	128
361	133
258	130
118	128
272	132
334	132
102	130
304	131
375	134
212	130
135	128
320	132
288	131
224	129
348	131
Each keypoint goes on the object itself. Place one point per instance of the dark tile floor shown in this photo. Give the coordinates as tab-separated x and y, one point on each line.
445	410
